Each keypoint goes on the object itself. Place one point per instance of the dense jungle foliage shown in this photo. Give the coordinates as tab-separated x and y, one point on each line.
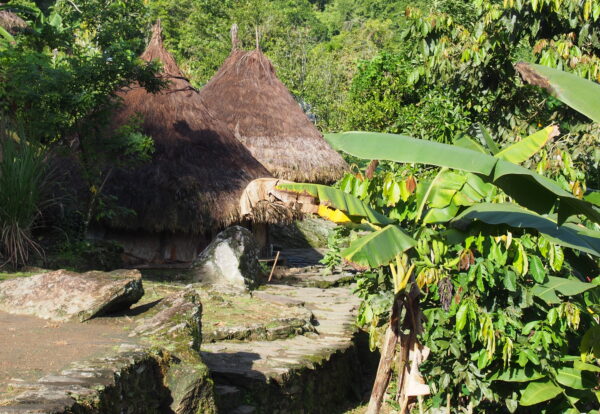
508	277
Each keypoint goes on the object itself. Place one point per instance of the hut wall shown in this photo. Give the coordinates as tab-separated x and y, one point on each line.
143	248
260	231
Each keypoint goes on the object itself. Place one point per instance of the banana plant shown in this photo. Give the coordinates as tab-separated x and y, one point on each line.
477	182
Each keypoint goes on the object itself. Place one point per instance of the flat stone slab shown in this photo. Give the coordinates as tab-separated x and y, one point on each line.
310	373
335	312
62	295
241	316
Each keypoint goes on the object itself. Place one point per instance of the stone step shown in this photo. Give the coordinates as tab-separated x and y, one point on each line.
243	409
313	373
227	397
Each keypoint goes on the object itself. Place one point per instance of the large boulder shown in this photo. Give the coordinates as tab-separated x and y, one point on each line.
62	295
230	260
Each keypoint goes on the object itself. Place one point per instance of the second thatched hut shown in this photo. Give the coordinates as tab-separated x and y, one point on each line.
261	112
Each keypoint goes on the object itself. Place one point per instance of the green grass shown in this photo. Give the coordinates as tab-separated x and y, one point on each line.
8	275
23	187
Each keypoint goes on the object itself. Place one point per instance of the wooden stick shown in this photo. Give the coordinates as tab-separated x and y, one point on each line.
274	264
388	353
384	371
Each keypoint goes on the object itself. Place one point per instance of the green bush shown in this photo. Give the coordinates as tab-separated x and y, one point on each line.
23	175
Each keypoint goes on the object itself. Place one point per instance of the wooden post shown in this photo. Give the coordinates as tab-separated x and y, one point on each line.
234	37
274	264
388	352
384	371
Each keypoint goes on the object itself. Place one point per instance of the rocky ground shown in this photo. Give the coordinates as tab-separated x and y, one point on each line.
289	347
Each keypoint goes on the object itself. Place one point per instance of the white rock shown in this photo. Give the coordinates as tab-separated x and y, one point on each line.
229	260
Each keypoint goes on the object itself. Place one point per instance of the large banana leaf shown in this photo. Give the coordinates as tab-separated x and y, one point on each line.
525	186
579	93
338	199
562	285
378	248
568	234
527	147
537	392
517	152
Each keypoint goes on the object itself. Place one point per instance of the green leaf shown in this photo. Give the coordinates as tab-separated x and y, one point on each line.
378	248
510	280
405	149
593	197
486	137
526	187
526	148
538	193
568	235
537	392
547	295
579	93
441	215
468	143
536	269
568	287
6	35
582	366
590	343
517	375
461	316
338	199
573	378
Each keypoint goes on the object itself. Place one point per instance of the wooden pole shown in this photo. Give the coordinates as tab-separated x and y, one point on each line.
388	352
384	371
234	36
274	264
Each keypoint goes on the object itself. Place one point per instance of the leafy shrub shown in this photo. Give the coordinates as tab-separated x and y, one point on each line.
23	176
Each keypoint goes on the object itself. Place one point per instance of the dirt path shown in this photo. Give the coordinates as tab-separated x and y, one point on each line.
31	347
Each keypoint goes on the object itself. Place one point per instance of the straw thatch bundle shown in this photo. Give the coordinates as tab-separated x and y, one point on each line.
11	22
199	170
259	109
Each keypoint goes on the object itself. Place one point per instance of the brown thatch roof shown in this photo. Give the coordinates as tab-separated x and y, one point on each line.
256	105
11	22
198	171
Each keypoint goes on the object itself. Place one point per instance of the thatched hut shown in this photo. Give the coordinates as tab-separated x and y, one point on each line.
247	95
192	186
11	22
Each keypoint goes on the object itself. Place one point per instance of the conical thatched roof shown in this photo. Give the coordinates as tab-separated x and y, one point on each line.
11	22
247	95
198	171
